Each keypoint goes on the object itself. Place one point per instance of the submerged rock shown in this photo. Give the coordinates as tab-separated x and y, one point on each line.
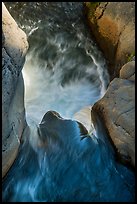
79	165
63	162
84	116
14	48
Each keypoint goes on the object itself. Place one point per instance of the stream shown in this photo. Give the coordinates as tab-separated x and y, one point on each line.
64	74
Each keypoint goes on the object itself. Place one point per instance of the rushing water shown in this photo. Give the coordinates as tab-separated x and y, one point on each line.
65	72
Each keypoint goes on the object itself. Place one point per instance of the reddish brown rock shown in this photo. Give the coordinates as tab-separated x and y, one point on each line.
113	25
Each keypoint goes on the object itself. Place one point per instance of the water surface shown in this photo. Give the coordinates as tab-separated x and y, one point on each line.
64	72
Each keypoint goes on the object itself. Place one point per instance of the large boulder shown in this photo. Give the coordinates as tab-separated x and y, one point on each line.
117	111
14	48
113	26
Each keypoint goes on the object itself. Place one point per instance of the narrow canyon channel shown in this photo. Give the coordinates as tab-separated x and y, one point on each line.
64	74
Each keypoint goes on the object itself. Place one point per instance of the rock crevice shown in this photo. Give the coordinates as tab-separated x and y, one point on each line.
113	25
102	11
14	48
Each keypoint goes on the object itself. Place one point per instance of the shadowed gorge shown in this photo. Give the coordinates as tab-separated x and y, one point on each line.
63	156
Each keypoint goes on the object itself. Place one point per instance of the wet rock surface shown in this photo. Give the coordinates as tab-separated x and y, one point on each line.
67	164
14	47
113	25
60	161
117	111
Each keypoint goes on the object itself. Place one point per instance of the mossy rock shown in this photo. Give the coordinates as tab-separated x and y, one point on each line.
90	7
130	56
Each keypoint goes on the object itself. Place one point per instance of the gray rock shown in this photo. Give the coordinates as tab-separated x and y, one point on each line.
117	111
14	48
113	25
128	71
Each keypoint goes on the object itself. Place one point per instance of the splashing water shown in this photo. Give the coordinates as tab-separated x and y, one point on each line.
64	168
65	72
73	81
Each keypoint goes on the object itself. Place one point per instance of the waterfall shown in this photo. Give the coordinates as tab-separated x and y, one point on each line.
64	72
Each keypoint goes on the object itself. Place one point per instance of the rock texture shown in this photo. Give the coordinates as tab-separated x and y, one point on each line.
117	111
14	48
113	25
128	71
